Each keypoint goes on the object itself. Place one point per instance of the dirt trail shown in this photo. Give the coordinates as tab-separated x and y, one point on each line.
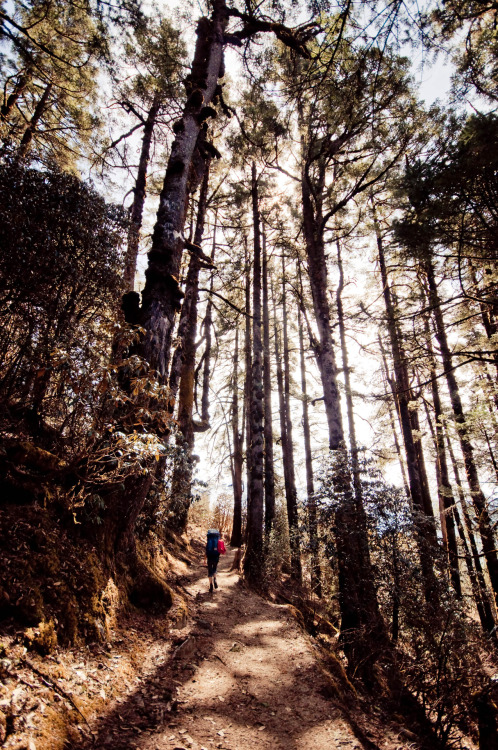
257	684
240	675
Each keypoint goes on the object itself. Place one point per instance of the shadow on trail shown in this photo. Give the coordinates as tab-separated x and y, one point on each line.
292	715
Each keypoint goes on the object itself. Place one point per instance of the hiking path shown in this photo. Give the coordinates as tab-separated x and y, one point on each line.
240	674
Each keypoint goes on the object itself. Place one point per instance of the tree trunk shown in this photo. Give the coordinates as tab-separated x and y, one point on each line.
362	628
161	295
207	326
446	499
347	382
482	595
445	493
488	322
478	499
236	538
188	316
492	457
316	577
419	452
388	381
33	123
137	206
11	101
325	354
246	422
288	447
268	429
253	561
181	483
423	512
486	704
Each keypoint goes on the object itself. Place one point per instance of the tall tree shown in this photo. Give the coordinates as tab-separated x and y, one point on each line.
237	458
429	220
483	601
253	561
161	297
331	123
287	442
150	97
355	464
267	385
422	506
185	362
316	582
478	498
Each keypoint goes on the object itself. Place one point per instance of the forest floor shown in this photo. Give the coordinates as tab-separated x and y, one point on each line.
237	673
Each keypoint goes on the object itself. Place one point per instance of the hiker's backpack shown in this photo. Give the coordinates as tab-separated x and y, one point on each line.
221	547
212	542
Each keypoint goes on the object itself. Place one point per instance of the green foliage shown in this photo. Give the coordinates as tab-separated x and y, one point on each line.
59	286
476	59
450	209
439	645
53	80
158	52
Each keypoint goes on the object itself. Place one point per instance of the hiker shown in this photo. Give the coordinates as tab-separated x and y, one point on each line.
215	547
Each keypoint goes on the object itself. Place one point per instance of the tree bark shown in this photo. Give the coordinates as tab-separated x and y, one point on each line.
137	207
478	499
236	538
423	514
268	427
11	101
246	422
316	577
347	382
446	499
389	382
362	627
288	447
481	593
40	108
253	561
161	295
207	327
486	703
181	482
188	316
325	354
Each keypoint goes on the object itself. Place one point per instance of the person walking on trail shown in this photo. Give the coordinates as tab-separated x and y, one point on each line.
215	547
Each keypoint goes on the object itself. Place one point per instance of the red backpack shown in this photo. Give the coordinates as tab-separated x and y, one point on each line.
221	547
